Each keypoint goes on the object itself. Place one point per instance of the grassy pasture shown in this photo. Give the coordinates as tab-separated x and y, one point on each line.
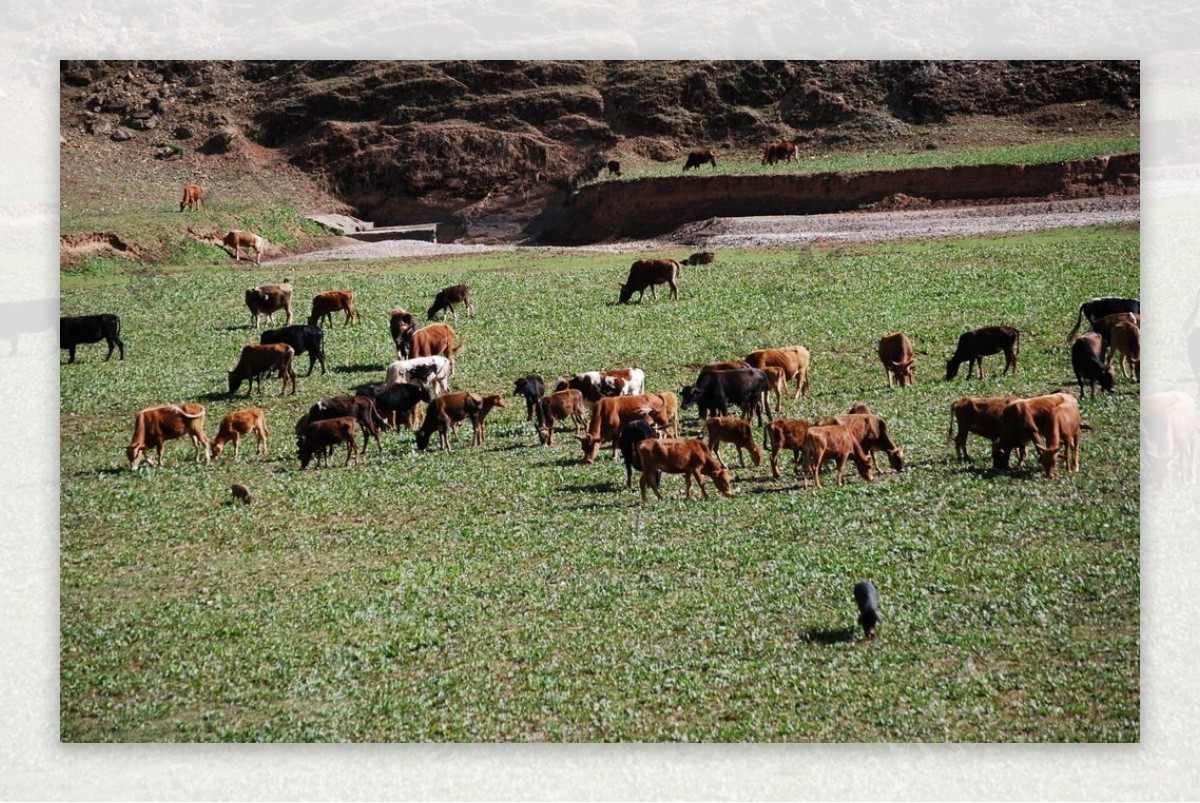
512	593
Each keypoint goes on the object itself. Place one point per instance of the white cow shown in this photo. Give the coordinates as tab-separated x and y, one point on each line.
432	372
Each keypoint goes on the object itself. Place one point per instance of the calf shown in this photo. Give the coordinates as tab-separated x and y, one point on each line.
631	435
699	258
595	385
448	297
786	433
872	434
1104	326
556	407
975	345
302	338
76	329
154	426
1097	308
397	401
688	457
1126	339
697	158
611	414
489	403
532	388
193	196
402	324
237	424
432	372
237	240
867	600
646	273
1085	360
436	339
256	361
445	412
267	299
360	408
321	436
794	360
836	442
1168	427
976	415
1025	420
896	354
715	391
736	431
329	302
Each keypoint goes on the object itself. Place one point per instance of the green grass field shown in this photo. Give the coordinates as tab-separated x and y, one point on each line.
511	593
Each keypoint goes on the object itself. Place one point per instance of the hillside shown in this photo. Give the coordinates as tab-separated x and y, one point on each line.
496	148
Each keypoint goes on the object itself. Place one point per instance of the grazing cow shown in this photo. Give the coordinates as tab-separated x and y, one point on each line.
697	158
1062	431
737	431
646	273
76	329
1085	360
556	407
595	385
432	372
241	494
1126	340
867	600
686	456
448	297
321	436
872	434
611	414
256	361
237	424
446	412
154	426
980	416
896	354
786	433
1097	308
794	360
397	400
975	345
1025	420
715	391
532	388
360	407
699	258
193	197
784	151
614	167
329	302
631	435
237	240
433	340
837	442
402	324
1169	424
302	337
267	299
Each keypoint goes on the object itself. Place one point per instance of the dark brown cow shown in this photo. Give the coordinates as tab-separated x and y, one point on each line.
558	407
896	354
320	437
1086	362
403	323
193	196
700	258
444	413
267	299
646	273
783	151
786	433
154	426
329	302
614	167
448	297
258	360
697	158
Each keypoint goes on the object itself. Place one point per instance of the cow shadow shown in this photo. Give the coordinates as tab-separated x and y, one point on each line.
220	396
841	636
593	488
242	328
357	369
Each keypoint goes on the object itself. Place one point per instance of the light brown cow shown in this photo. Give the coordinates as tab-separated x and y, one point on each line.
154	426
1062	431
976	415
794	360
239	423
737	431
1126	339
329	302
776	382
685	456
267	299
786	433
259	360
237	240
193	196
556	407
434	340
1026	420
612	413
896	354
836	442
872	434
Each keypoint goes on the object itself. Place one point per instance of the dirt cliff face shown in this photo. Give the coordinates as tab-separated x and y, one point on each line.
496	147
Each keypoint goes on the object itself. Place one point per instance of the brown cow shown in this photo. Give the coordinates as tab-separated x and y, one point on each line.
686	456
448	297
320	437
977	415
612	413
556	407
614	167
783	151
444	413
329	302
1026	420
737	431
237	424
402	324
490	401
237	240
435	339
776	382
154	426
786	433
794	360
697	158
1085	360
872	434
1062	432
193	196
1126	338
837	442
699	258
258	360
267	299
896	354
646	273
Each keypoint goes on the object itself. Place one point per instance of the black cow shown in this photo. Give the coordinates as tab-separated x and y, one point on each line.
715	391
396	401
532	387
868	606
1097	308
631	435
974	346
1085	360
361	408
301	337
76	329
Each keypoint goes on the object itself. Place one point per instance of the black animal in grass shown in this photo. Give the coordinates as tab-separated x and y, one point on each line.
631	435
975	345
532	387
76	329
868	607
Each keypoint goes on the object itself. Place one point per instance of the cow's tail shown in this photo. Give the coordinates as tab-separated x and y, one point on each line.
186	414
461	343
1078	323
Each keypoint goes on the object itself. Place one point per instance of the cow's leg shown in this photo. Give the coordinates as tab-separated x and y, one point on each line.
841	469
674	291
71	352
699	483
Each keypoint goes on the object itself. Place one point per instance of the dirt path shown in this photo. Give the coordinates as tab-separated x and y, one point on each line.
847	227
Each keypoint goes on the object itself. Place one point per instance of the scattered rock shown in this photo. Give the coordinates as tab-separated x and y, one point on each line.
121	135
183	132
222	141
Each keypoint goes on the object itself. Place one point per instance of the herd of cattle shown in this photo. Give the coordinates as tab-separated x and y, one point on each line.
614	407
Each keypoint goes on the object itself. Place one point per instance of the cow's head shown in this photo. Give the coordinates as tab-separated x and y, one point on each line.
422	435
1048	457
1107	381
235	382
951	369
896	458
590	446
687	395
722	479
626	293
135	454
